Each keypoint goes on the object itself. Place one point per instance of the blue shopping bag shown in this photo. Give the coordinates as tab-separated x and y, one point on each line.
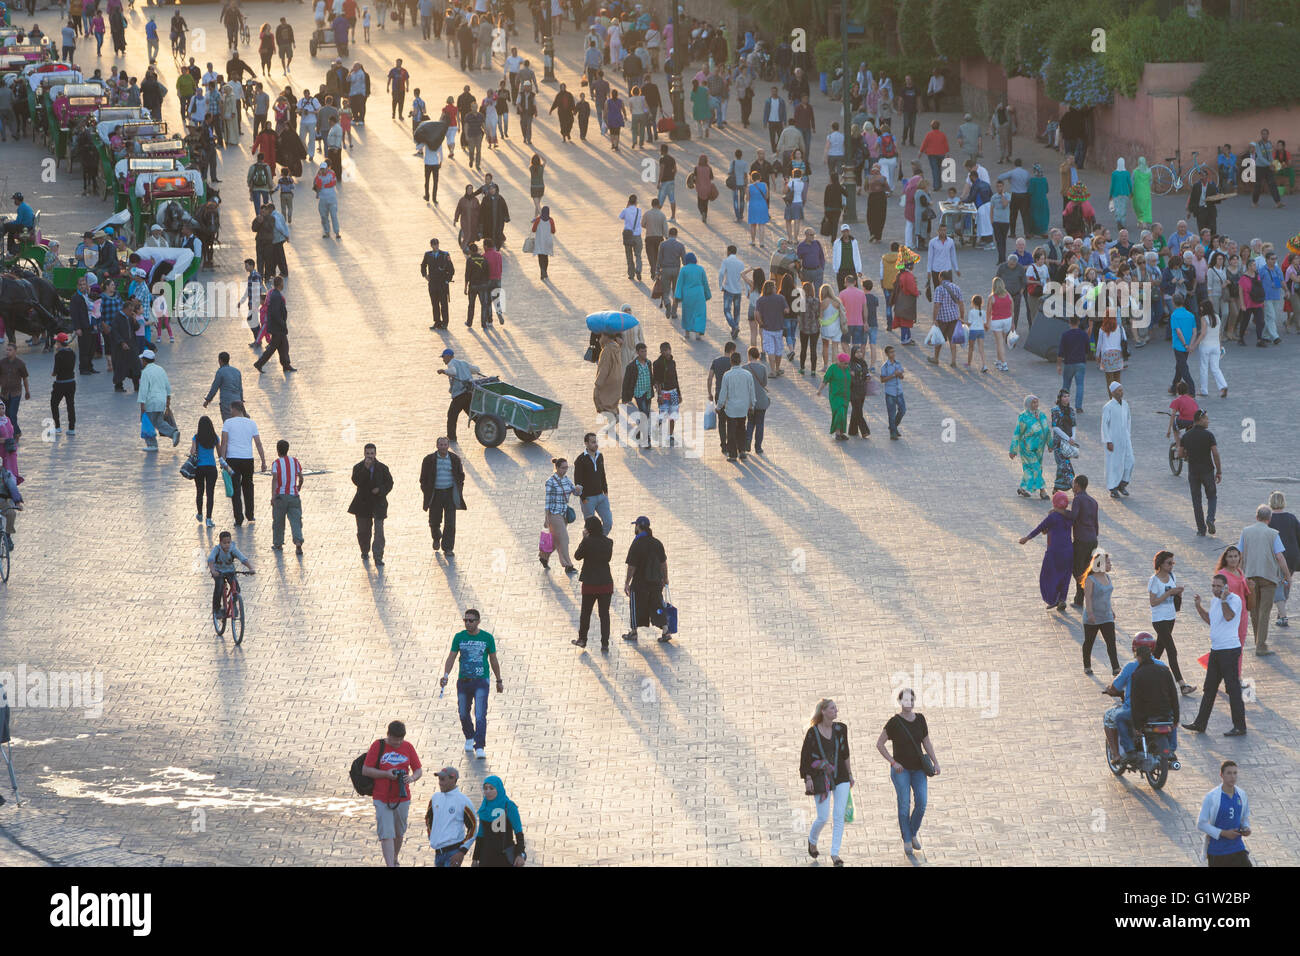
147	431
710	417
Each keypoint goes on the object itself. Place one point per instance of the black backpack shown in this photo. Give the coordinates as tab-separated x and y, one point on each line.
360	782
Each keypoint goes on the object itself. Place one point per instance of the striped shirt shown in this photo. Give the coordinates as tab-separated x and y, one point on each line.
285	475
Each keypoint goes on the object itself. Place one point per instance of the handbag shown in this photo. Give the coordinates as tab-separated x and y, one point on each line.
926	763
570	515
929	291
530	243
657	291
590	354
824	770
713	192
690	179
189	467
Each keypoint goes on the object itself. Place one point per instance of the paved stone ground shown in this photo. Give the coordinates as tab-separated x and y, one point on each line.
819	570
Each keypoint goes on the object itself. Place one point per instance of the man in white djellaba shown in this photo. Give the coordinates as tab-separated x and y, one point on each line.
1117	437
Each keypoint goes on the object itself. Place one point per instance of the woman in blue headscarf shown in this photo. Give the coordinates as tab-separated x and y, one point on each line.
1040	213
692	292
500	839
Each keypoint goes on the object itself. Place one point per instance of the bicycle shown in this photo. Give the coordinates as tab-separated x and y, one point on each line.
1166	178
1175	446
232	607
4	558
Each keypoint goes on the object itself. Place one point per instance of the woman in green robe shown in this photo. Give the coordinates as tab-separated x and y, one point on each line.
701	109
840	380
1040	212
1028	443
1142	193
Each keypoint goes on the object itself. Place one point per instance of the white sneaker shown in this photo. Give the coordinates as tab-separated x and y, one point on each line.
469	744
480	753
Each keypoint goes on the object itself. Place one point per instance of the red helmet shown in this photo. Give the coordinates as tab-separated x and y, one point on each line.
1144	639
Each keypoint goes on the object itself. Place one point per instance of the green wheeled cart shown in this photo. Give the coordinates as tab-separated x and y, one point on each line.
495	406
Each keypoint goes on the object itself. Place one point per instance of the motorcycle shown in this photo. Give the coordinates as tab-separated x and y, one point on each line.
1153	759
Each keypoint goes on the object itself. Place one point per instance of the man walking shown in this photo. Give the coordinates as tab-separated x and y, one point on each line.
286	485
1225	819
638	389
1072	359
156	403
731	281
632	242
654	229
14	384
671	255
1182	326
239	435
461	382
397	82
1083	515
370	503
477	649
1263	559
667	181
754	427
438	270
450	821
1224	664
390	761
65	383
737	396
891	377
1117	436
277	326
647	576
1204	470
589	474
774	114
227	385
442	481
941	255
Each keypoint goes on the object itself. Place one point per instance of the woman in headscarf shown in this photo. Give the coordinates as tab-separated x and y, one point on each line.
544	239
841	381
1142	193
467	217
877	202
264	143
500	839
609	375
702	180
701	110
289	151
1058	560
1040	211
1063	439
1121	188
1028	443
693	292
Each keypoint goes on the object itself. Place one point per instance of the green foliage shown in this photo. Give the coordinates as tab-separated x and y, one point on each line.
914	28
1249	69
1027	45
952	28
999	25
827	54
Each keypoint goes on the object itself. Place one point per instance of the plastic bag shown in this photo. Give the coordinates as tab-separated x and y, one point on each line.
147	431
545	543
959	334
848	810
934	336
710	417
1012	338
228	480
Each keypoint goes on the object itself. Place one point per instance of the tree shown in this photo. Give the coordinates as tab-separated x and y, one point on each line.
952	28
914	28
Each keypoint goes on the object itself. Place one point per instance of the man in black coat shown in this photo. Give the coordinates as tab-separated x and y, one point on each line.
442	481
1205	212
277	326
370	504
493	216
438	270
85	332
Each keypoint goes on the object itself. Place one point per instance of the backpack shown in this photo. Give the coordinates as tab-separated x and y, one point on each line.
1256	289
360	782
261	176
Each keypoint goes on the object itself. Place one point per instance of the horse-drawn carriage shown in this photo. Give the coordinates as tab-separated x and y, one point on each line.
67	109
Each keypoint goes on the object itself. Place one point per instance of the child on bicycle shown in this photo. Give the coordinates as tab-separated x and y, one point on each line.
1184	413
221	564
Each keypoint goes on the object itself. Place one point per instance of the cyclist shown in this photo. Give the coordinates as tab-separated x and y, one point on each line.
221	564
1142	694
11	501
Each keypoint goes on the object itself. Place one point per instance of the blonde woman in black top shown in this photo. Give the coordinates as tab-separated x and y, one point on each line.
824	766
910	734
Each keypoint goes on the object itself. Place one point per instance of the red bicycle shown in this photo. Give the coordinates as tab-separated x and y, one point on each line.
232	607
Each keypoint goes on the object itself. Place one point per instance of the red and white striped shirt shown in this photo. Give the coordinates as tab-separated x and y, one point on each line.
285	475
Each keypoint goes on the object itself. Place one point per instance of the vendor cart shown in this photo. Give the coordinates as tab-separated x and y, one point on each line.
495	406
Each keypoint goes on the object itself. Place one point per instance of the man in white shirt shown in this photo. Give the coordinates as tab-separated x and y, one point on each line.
736	399
432	167
774	115
513	62
308	107
834	149
239	435
733	288
156	401
942	255
632	243
450	821
1224	618
932	91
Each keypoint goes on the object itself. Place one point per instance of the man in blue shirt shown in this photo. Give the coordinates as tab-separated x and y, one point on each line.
24	218
1271	277
891	376
1225	819
1182	326
1119	719
1072	359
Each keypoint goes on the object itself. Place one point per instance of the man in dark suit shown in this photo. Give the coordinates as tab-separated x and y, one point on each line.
442	480
80	309
277	326
370	504
1199	205
438	270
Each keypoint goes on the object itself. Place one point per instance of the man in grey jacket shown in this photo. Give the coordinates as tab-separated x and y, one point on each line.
227	385
762	401
737	396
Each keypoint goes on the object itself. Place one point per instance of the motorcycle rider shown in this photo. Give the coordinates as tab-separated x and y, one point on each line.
1147	694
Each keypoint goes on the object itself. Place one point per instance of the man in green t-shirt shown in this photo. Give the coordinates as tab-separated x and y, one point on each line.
476	648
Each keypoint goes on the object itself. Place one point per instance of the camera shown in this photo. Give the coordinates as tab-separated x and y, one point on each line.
401	783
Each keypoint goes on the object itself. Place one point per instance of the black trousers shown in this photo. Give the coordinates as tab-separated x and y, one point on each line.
1165	642
646	599
1181	372
1198	481
442	519
205	483
1019	205
60	392
86	350
1222	669
459	403
1240	858
1264	177
279	343
431	172
399	105
857	421
1082	556
438	293
242	501
1108	635
735	435
774	133
370	530
909	128
584	616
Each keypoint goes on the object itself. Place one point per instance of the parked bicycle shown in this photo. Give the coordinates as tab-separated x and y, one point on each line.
1167	177
232	607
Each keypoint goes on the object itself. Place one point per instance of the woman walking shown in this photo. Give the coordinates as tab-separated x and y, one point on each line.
692	292
1000	321
594	551
555	518
796	191
1209	347
1098	617
544	240
1028	442
636	105
1064	446
831	323
810	327
701	179
877	202
1142	194
500	840
8	444
911	765
757	213
1229	565
754	279
1166	596
203	449
701	110
1252	303
1110	350
1121	190
1058	560
537	182
266	47
824	766
859	376
1040	210
841	382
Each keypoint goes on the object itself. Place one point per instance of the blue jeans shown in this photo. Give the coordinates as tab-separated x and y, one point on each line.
443	857
936	169
791	325
731	309
896	408
1074	373
907	783
889	310
598	504
754	429
477	689
737	204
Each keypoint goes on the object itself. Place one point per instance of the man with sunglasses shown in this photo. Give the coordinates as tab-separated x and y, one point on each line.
450	821
477	649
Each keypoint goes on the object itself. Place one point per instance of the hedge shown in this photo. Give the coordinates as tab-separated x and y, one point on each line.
914	28
1249	69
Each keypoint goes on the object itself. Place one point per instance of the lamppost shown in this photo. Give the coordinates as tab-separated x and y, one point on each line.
851	193
548	46
677	84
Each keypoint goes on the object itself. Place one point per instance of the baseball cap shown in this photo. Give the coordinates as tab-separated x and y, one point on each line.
642	522
62	337
447	353
138	273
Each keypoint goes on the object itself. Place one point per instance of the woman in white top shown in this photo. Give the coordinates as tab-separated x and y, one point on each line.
796	188
1110	349
1217	283
1165	593
832	310
1205	346
640	113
